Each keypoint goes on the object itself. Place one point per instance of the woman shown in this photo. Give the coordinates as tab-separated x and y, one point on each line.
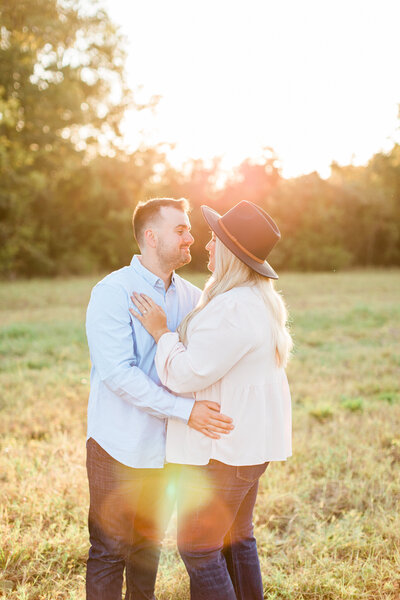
232	349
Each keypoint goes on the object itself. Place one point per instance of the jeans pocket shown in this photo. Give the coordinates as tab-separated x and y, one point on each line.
251	472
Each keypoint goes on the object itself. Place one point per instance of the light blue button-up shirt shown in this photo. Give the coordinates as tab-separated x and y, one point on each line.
128	406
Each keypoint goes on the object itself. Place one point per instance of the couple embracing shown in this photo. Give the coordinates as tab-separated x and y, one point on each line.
189	402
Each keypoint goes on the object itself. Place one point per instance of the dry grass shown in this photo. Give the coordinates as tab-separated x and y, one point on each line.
327	520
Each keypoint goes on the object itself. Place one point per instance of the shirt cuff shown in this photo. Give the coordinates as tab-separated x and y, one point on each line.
183	408
166	342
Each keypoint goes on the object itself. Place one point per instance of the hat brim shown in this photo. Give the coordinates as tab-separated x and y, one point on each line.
212	217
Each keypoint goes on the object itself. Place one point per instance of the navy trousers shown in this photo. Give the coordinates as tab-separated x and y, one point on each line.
215	531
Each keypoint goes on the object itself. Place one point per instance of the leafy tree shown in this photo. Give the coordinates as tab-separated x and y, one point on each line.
62	95
309	213
95	233
253	180
68	188
371	211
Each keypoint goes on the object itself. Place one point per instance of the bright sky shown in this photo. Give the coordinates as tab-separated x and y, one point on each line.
318	80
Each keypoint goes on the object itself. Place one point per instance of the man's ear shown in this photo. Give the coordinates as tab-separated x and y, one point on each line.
150	238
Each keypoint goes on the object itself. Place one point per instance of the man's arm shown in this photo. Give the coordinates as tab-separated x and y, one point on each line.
109	334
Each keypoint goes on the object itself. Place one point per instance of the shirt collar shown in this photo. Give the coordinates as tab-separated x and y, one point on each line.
147	275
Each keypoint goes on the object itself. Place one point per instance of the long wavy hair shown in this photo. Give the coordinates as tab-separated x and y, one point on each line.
231	272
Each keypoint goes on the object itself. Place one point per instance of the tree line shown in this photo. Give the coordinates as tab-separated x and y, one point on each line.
68	187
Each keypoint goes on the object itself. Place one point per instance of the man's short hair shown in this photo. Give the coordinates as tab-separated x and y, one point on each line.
146	211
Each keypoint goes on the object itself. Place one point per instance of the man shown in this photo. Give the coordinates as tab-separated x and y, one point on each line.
129	503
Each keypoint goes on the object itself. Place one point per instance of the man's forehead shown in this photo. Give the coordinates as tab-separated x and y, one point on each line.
174	216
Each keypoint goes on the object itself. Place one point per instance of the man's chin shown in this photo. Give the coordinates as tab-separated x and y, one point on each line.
184	260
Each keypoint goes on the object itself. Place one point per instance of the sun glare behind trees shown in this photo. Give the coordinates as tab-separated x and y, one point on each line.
314	80
69	184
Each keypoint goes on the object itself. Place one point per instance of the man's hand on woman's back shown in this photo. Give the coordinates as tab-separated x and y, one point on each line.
206	418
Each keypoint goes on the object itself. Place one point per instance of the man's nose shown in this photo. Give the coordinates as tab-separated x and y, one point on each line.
189	238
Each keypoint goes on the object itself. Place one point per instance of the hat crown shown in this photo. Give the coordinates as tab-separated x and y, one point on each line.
251	228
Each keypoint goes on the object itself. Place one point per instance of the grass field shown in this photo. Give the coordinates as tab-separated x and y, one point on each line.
327	520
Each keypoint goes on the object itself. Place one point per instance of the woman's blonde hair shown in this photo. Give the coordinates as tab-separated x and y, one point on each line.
231	272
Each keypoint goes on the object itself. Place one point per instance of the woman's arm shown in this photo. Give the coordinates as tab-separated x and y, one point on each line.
211	352
222	336
205	415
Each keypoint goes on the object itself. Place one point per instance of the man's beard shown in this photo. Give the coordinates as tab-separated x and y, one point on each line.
172	259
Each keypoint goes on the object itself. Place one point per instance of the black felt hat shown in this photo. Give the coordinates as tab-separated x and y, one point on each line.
247	231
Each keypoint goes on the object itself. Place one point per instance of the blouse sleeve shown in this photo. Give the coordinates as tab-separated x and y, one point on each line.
218	341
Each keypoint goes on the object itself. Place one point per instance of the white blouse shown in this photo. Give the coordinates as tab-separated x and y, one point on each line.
229	359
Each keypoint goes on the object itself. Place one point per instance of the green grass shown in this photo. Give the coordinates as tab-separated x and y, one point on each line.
327	520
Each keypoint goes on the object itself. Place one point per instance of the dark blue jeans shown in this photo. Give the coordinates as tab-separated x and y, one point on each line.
215	531
129	511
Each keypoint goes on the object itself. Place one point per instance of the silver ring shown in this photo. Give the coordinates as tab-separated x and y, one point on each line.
144	312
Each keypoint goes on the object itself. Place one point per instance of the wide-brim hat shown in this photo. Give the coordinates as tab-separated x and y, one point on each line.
248	232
